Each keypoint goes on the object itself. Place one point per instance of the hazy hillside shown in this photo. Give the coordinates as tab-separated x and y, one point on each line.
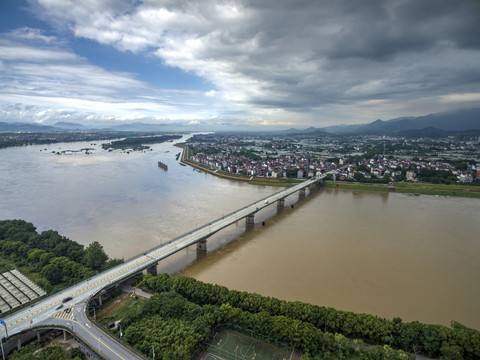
25	127
454	120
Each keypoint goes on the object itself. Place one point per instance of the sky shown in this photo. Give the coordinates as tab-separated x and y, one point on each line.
233	64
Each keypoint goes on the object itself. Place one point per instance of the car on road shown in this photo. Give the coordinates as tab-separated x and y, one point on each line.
67	299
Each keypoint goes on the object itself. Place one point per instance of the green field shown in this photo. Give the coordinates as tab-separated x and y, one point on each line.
232	345
414	188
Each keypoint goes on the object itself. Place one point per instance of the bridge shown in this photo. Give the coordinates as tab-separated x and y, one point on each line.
46	312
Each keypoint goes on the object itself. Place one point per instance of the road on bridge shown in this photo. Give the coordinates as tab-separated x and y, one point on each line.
45	311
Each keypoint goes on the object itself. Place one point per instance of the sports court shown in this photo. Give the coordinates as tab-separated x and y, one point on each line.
232	345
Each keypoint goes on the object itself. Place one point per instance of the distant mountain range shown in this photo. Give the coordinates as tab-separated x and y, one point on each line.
460	120
433	125
68	126
25	127
310	131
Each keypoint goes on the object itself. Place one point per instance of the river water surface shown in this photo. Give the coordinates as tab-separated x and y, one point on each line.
381	253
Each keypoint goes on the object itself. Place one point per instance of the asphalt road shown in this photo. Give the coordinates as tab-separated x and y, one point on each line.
45	312
94	337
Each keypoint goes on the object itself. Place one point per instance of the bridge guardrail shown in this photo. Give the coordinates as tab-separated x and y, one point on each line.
289	191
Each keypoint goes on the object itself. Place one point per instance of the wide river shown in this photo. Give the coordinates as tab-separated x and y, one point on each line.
387	254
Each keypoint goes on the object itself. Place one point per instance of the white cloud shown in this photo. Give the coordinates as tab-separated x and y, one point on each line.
269	61
47	80
459	98
37	35
210	93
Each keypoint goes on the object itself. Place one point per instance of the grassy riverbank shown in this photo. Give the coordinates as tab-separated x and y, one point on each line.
416	188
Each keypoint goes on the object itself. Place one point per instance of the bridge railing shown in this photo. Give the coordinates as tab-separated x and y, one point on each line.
259	202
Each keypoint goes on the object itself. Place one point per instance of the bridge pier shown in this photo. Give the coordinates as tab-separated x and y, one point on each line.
301	192
19	344
313	185
152	270
280	203
250	219
202	245
64	335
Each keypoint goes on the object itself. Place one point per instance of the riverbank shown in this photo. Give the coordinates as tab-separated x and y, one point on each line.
412	188
224	174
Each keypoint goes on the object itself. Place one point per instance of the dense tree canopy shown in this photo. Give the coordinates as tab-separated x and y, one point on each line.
437	176
95	257
54	352
178	327
54	258
139	142
311	327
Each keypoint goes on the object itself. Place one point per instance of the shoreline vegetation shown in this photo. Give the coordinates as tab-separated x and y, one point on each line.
184	314
414	188
190	312
138	143
51	260
411	188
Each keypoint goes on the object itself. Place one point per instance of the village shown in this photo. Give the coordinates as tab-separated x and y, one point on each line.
364	159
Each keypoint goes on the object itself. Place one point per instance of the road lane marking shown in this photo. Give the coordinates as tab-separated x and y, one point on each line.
193	237
100	341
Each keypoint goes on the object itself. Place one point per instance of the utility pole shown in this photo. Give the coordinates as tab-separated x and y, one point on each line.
3	323
1	345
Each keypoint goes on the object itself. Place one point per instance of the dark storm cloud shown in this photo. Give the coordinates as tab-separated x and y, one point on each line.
279	58
408	46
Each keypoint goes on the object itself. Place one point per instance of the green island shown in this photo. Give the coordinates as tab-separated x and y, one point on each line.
139	143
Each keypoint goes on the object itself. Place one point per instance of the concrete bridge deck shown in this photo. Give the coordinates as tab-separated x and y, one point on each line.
41	313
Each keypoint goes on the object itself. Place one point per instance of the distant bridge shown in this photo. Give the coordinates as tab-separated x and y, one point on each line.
44	312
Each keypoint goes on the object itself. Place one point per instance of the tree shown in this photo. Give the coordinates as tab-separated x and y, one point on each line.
358	176
52	273
386	178
362	167
95	257
45	284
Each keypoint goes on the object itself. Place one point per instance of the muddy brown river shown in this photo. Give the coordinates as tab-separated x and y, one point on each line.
415	257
